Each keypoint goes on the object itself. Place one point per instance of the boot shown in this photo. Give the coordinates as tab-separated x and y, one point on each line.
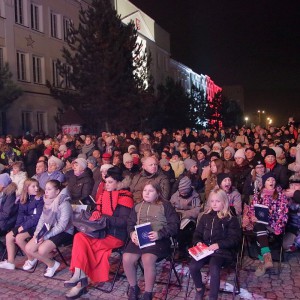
133	293
147	296
268	260
261	269
200	294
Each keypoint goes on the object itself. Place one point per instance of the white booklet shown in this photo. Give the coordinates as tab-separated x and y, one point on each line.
200	251
142	231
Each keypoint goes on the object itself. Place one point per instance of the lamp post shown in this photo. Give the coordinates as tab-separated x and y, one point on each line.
246	120
259	115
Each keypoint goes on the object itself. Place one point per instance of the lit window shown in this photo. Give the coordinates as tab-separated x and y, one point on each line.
55	25
36	17
22	69
38	67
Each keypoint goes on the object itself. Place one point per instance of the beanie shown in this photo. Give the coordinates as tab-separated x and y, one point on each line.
5	180
57	161
214	154
258	162
240	153
105	167
188	163
217	145
81	162
127	158
278	150
221	177
92	160
131	147
62	148
106	155
163	162
267	176
206	148
184	186
270	151
231	150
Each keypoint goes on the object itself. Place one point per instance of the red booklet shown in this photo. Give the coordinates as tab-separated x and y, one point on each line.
200	251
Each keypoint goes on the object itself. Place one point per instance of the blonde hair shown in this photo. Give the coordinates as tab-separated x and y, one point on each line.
225	211
24	194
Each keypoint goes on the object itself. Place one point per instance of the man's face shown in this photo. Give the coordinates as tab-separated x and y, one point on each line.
249	154
40	168
150	165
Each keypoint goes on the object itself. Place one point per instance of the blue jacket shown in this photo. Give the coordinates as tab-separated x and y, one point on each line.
30	212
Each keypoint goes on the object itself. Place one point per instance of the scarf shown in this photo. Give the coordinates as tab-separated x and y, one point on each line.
271	166
50	209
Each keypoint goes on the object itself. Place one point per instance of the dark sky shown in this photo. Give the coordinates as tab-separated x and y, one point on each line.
254	43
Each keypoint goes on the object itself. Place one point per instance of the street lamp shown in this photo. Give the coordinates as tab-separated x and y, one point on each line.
246	119
259	115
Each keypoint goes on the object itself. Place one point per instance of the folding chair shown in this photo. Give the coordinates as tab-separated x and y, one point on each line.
170	259
233	266
116	274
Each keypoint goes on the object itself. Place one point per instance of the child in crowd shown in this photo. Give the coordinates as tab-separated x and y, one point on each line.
30	210
18	176
219	230
275	199
165	222
57	212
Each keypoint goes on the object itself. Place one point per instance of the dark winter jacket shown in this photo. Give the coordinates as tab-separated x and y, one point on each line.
30	212
8	208
226	232
80	187
239	175
281	175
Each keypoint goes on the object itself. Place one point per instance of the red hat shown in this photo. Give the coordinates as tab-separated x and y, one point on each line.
106	155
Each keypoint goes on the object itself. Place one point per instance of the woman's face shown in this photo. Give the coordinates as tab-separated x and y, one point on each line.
213	167
270	183
239	160
50	191
16	170
52	166
270	159
110	184
88	140
33	189
149	193
260	170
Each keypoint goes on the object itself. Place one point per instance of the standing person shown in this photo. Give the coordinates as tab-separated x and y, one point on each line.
29	154
57	212
89	255
30	210
165	222
275	199
219	230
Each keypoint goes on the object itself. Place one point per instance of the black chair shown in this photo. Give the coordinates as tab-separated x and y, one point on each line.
170	259
231	267
275	244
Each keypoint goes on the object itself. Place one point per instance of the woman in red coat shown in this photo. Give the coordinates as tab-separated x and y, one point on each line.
90	255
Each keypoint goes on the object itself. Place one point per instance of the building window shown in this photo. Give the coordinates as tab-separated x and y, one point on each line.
41	121
36	17
67	25
38	67
2	11
55	25
1	59
19	14
22	63
26	121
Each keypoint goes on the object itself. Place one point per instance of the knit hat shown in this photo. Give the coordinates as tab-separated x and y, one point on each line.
115	173
163	162
214	154
126	158
62	148
278	150
231	150
4	180
267	176
81	162
270	151
131	147
206	148
105	167
258	162
217	145
46	143
106	155
240	153
188	163
176	153
57	161
203	150
184	186
28	137
221	177
92	160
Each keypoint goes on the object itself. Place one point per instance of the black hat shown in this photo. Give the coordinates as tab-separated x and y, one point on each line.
28	138
176	153
267	176
270	151
257	162
221	177
115	173
250	148
216	154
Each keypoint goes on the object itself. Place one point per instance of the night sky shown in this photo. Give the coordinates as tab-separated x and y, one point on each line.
254	43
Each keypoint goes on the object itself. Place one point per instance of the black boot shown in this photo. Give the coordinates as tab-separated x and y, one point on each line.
200	295
133	293
147	296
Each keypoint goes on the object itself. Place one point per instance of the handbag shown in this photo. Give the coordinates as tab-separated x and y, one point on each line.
96	229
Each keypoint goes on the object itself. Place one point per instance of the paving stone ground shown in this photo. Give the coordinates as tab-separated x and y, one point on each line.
18	284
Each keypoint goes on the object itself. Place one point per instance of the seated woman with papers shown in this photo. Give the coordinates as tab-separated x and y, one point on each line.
267	213
151	224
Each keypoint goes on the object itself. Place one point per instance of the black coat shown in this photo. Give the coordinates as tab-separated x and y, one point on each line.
225	232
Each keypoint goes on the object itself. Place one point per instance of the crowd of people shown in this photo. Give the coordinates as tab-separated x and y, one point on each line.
197	186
